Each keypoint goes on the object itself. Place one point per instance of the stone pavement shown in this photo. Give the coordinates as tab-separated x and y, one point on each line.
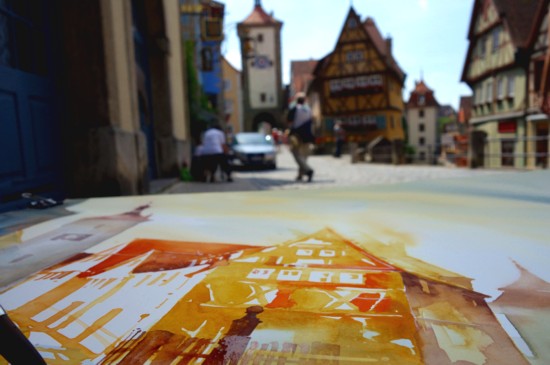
329	172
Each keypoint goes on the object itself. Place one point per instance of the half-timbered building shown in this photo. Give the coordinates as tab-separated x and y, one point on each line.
360	84
496	70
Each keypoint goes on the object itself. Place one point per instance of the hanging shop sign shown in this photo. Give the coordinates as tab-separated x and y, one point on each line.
262	61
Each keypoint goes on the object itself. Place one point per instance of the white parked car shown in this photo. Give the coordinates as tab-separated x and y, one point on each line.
254	149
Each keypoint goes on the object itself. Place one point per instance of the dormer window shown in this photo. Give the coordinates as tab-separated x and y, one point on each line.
352	23
421	100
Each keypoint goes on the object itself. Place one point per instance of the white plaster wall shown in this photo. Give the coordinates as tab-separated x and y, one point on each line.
429	133
263	80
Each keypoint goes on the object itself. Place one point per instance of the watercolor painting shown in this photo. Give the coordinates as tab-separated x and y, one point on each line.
169	280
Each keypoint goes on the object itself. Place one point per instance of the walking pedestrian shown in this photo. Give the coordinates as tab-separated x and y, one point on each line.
301	137
214	152
339	137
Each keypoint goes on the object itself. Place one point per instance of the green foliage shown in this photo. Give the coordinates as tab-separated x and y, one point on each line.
442	121
197	101
410	150
405	125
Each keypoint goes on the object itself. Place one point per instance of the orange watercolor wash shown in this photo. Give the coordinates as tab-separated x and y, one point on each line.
317	297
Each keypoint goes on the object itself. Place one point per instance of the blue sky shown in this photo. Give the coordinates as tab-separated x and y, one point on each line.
429	36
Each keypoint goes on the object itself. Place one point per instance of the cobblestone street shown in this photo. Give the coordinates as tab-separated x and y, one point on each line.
329	172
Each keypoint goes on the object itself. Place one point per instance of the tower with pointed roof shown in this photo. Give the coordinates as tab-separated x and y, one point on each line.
422	110
260	36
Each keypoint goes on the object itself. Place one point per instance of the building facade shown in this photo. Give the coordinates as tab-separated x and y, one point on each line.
233	97
260	35
92	101
301	76
538	120
360	84
422	126
496	69
461	137
211	59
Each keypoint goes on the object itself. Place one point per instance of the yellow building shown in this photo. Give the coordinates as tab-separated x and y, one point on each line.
360	84
232	95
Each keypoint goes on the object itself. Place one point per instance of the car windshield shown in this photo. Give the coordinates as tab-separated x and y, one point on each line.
253	138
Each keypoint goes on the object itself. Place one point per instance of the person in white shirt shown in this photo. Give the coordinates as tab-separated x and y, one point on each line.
213	151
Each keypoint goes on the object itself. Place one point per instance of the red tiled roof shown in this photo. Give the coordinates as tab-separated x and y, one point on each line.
258	16
520	16
302	74
421	89
382	45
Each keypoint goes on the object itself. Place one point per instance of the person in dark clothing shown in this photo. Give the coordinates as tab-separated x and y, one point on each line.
300	136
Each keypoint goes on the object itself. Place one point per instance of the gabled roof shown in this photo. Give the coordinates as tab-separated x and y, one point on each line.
166	255
518	17
421	89
258	16
542	13
382	45
230	65
528	291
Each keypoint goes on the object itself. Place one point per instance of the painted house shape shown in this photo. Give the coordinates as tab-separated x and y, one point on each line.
320	298
323	298
522	301
81	308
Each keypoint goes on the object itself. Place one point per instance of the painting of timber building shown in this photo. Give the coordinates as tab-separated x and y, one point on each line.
317	299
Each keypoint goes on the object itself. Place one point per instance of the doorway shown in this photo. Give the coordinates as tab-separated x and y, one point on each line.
30	130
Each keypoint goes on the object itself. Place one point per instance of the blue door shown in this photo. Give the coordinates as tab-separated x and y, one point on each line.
29	133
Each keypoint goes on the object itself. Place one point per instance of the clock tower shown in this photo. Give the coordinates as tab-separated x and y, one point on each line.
260	36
